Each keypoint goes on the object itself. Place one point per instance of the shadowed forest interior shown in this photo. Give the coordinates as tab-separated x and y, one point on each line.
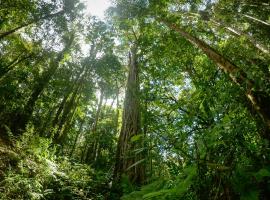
156	100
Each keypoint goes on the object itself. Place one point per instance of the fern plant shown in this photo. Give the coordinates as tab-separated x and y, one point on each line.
166	189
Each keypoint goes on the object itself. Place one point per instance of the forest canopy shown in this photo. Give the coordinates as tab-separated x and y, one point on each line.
160	99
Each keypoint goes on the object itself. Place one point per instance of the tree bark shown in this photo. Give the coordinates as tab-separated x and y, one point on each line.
66	111
78	81
256	20
13	64
20	121
60	108
7	33
76	138
125	159
206	17
91	152
101	98
63	136
238	32
117	110
258	100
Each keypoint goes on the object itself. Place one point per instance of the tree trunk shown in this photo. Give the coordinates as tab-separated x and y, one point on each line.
206	17
117	109
84	152
258	100
78	81
3	35
101	98
238	32
66	111
256	20
20	121
126	162
67	104
63	136
76	138
13	64
90	157
44	130
60	108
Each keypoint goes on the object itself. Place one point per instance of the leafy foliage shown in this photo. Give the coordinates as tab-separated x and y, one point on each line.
194	122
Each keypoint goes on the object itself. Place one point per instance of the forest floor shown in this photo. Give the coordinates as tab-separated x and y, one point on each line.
8	157
29	170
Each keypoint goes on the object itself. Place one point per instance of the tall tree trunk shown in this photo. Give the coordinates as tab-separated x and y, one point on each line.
64	133
5	34
238	32
44	130
117	110
66	111
258	100
101	98
13	64
68	102
61	108
78	81
91	151
126	162
206	17
76	138
84	152
22	119
256	20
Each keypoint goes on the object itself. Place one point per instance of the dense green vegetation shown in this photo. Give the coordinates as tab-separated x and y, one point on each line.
165	99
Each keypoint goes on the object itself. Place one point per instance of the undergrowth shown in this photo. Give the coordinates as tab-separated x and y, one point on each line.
39	174
166	189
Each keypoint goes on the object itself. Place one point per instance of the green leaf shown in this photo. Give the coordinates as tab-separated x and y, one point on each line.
155	195
252	195
136	137
262	173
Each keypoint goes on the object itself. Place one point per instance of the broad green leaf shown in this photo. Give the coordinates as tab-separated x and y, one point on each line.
136	138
